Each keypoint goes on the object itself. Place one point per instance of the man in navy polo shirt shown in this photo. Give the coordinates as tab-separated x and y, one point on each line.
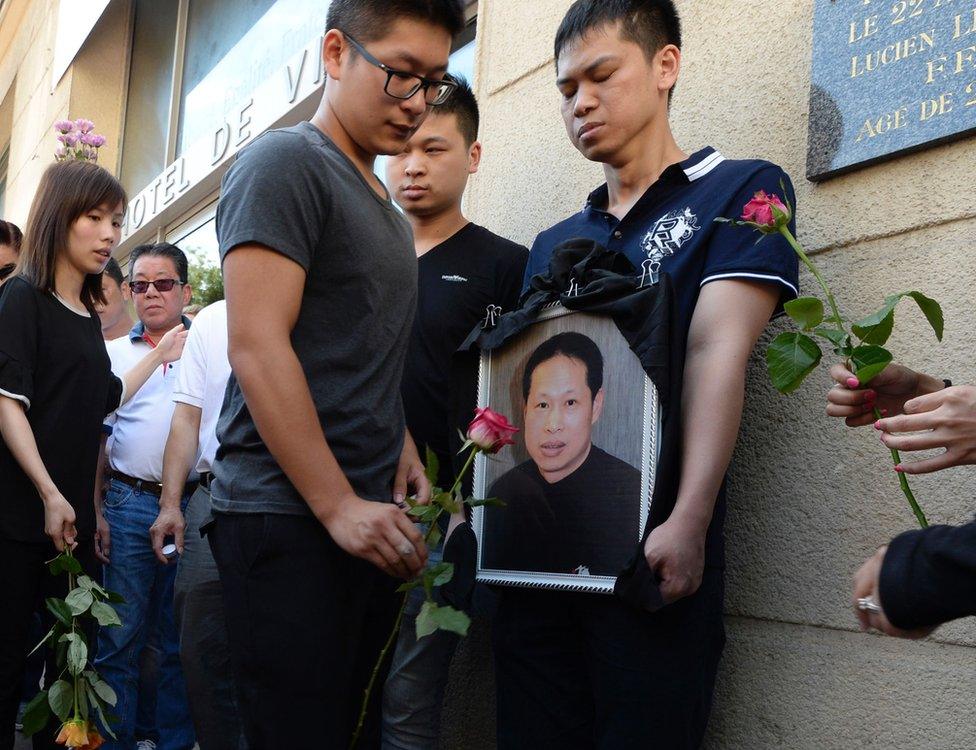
581	670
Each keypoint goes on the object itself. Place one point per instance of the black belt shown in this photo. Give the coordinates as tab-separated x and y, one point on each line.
144	485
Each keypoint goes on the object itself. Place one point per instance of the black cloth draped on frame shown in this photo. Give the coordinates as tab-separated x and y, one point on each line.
585	276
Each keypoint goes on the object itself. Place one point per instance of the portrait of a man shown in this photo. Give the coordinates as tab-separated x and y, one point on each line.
572	507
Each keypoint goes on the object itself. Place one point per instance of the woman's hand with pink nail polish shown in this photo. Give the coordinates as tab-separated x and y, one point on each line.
856	403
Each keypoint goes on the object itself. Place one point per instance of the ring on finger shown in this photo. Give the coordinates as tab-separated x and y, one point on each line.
405	550
867	604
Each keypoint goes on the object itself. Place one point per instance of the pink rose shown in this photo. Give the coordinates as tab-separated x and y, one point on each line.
64	126
768	211
490	431
85	126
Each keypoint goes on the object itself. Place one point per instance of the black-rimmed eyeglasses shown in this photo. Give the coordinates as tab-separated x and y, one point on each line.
401	84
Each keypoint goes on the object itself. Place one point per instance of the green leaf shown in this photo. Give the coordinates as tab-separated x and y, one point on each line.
808	312
86	583
104	691
790	358
60	610
36	715
105	614
434	536
869	361
409	585
426	513
440	574
836	336
932	311
44	640
494	501
431	466
445	501
77	656
64	563
115	598
83	698
453	620
97	703
425	619
61	698
79	600
875	334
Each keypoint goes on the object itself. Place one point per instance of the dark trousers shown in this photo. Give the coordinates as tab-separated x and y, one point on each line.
199	611
586	671
306	623
26	583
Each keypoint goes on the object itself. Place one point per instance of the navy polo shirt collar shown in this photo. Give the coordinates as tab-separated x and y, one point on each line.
138	332
684	172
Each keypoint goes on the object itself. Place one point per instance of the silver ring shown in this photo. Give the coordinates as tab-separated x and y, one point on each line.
867	604
406	550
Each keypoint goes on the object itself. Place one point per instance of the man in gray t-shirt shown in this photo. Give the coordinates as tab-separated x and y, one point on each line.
309	531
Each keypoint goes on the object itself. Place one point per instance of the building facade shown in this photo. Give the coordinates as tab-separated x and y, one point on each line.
179	86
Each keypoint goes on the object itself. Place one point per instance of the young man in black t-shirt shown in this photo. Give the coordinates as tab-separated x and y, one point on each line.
467	275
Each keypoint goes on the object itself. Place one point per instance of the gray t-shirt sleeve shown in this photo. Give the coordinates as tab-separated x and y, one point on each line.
272	196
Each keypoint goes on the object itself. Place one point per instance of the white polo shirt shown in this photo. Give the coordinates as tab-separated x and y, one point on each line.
203	375
141	426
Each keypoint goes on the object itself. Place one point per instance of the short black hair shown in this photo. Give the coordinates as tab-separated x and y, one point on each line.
569	344
10	234
114	271
367	20
161	250
650	24
463	105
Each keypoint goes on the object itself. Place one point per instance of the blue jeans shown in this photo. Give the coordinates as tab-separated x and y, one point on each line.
414	691
136	574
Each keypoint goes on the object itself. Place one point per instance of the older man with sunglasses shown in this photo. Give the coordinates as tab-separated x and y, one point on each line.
158	281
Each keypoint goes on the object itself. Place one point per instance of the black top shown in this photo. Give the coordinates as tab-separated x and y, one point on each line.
590	518
458	281
53	360
929	576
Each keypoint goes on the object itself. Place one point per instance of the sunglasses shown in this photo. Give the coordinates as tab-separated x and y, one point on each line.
401	84
161	285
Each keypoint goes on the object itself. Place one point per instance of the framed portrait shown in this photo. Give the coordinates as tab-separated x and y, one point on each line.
577	485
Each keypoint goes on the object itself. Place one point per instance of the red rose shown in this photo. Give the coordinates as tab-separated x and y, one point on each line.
490	431
768	212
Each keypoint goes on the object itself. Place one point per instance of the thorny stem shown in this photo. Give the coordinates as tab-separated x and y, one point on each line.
399	618
839	321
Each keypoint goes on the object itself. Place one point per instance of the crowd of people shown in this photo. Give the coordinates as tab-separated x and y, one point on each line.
240	478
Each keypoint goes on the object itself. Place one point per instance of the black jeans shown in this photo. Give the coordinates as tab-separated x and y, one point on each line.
585	671
306	623
26	583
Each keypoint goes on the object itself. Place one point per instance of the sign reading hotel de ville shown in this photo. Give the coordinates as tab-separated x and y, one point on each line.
889	77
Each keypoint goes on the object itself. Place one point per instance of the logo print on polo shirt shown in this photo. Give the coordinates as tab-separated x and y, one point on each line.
458	279
665	238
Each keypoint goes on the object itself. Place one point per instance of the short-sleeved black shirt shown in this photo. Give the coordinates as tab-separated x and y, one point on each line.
53	360
464	280
589	519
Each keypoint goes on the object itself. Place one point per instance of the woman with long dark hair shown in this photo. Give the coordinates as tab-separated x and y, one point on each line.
56	386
